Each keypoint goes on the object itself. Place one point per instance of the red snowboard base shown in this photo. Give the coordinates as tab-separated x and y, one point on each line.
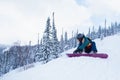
95	55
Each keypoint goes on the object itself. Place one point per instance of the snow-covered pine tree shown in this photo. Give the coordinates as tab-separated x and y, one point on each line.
55	44
99	32
38	51
89	33
61	44
112	29
105	29
118	28
93	34
66	42
66	38
76	43
72	42
46	41
1	59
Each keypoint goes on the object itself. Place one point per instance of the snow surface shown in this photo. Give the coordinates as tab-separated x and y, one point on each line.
80	68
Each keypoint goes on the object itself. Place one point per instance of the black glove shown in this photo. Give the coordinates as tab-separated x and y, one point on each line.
78	51
75	51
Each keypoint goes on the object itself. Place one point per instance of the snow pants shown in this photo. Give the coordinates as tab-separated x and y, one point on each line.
91	48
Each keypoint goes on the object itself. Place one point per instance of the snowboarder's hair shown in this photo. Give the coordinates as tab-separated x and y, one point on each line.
79	36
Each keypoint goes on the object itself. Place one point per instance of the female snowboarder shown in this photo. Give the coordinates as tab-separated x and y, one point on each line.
85	44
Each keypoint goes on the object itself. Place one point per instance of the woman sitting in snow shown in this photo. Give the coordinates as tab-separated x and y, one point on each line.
85	44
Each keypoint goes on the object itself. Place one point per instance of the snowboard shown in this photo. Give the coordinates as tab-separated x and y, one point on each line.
94	55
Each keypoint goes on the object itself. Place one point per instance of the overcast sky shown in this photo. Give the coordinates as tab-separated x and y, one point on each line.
22	20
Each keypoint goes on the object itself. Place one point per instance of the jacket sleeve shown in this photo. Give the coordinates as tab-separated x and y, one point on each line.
84	44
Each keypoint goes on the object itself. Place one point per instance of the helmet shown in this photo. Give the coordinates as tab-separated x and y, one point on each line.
79	36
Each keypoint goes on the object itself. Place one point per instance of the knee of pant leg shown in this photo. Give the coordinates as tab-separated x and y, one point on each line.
94	46
93	43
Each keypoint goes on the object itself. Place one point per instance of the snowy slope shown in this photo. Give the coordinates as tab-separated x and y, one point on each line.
82	68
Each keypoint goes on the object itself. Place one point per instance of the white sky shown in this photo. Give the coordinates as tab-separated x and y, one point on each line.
23	19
